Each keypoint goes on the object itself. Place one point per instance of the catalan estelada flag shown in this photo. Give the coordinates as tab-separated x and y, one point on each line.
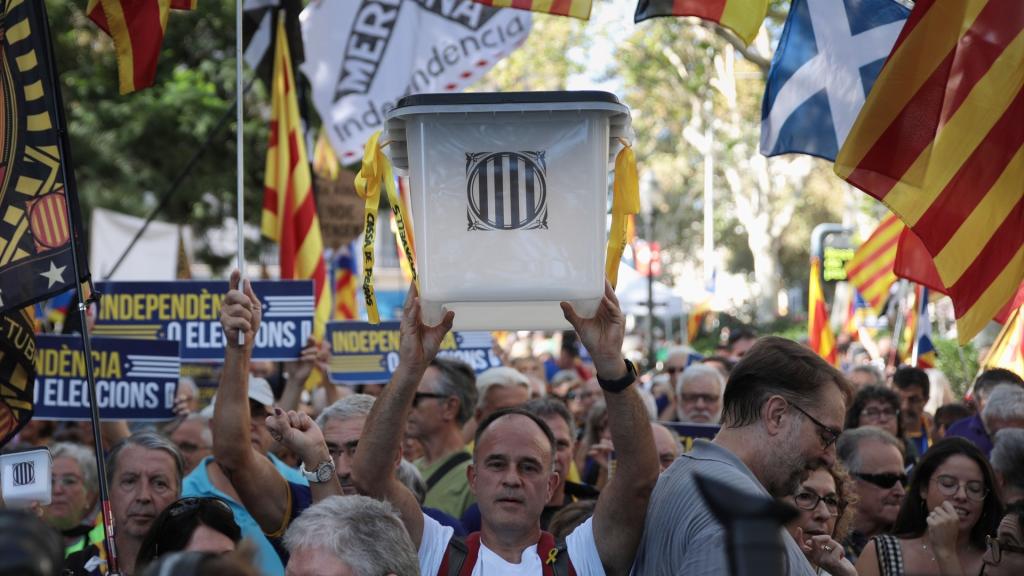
289	211
744	17
819	332
137	28
575	8
345	282
1008	349
696	318
871	268
924	348
940	140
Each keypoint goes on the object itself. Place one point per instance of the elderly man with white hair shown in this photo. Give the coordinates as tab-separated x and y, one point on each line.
699	395
1004	409
350	536
496	388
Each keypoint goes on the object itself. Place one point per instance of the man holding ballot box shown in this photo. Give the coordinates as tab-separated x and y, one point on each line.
513	470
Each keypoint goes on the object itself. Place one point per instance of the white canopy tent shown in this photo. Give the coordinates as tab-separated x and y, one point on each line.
632	293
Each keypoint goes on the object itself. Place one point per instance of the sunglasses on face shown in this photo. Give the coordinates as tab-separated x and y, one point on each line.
421	396
887	480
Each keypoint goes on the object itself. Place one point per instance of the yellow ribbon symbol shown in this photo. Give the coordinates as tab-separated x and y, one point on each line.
552	556
625	201
375	169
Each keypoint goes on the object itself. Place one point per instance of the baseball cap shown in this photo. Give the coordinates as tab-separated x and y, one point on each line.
259	391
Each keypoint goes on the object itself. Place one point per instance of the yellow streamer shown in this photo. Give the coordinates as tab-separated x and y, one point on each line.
375	169
625	201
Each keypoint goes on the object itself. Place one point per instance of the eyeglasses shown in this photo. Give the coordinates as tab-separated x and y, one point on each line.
67	480
693	398
950	485
829	435
810	500
420	396
997	547
887	480
879	413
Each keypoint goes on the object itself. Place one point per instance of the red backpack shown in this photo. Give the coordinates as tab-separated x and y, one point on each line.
460	556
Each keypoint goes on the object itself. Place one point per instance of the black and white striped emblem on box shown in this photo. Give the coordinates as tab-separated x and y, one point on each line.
506	191
23	473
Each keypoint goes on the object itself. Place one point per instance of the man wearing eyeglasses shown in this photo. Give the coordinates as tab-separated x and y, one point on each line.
783	411
874	459
699	395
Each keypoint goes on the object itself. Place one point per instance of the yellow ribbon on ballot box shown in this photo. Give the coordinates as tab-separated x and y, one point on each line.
375	169
625	201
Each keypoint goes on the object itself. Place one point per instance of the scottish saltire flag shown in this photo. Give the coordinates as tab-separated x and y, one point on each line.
829	55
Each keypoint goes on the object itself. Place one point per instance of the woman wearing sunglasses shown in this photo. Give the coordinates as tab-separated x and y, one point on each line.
950	508
1005	554
823	522
191	524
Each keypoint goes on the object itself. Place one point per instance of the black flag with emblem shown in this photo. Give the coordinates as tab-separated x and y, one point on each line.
17	371
35	248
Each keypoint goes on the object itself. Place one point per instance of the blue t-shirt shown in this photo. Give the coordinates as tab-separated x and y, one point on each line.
269	558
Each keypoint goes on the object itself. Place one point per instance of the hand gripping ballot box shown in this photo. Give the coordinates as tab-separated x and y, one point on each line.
509	197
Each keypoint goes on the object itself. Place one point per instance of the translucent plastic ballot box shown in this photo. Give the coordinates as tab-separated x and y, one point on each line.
509	195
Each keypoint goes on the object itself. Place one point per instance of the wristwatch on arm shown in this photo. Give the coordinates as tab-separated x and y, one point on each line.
323	472
616	386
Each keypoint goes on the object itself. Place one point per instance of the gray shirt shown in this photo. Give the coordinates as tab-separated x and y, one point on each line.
681	535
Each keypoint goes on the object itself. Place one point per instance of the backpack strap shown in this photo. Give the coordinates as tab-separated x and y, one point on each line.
554	556
460	556
890	555
449	464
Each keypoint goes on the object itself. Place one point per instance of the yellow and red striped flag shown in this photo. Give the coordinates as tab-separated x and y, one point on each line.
1008	349
137	28
819	332
289	211
575	8
744	17
940	141
871	268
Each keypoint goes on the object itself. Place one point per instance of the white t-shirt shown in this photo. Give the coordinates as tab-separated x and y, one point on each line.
580	544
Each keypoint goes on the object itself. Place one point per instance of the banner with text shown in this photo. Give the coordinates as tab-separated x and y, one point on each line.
362	56
688	432
135	379
365	354
189	311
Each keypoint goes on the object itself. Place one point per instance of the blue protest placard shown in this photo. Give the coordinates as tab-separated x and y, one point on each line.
135	379
689	432
189	311
362	353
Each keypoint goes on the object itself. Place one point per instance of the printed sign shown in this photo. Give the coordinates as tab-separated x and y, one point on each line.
135	379
364	354
689	432
189	312
362	56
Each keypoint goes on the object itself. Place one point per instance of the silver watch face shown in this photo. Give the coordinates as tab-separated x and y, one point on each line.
324	471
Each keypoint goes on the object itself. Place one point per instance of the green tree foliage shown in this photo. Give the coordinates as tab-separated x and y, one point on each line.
127	150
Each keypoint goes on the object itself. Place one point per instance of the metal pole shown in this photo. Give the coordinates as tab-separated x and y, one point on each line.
70	190
239	147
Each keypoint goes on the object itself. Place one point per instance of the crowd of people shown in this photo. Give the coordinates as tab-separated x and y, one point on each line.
552	467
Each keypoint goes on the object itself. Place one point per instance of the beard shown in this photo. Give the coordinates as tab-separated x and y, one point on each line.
788	466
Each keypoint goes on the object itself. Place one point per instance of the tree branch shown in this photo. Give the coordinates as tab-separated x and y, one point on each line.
754	57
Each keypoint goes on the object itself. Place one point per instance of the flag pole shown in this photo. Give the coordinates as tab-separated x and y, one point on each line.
70	194
917	329
239	147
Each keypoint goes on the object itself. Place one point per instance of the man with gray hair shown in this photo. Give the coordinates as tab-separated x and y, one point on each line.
1008	462
1004	409
194	438
497	388
350	536
699	395
144	473
973	428
874	459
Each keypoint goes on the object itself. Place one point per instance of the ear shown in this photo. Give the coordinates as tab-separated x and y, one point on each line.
471	478
451	408
398	459
477	415
773	414
552	483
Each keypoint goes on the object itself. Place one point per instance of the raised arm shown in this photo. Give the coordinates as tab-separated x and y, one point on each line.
380	447
298	432
264	492
622	507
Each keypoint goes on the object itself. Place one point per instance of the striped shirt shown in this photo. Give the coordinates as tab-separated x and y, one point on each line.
681	535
